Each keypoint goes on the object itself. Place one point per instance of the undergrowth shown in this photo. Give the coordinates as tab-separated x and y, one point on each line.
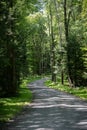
78	91
10	107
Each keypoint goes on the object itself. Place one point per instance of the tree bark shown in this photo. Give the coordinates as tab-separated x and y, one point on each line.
60	36
52	46
66	25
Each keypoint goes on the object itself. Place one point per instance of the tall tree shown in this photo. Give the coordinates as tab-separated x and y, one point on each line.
12	55
71	17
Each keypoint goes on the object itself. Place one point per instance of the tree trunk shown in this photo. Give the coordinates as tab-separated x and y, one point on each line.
60	36
52	46
66	25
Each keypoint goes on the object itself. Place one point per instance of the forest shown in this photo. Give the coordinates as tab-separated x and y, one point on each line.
42	37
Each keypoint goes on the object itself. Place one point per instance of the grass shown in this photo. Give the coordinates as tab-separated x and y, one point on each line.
80	92
10	107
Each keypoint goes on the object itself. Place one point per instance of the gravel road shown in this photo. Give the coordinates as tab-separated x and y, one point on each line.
51	110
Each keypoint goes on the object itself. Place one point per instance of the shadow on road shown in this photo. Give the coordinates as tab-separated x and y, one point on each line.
51	110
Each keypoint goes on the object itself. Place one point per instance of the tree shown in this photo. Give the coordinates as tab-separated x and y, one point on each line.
37	44
13	46
75	63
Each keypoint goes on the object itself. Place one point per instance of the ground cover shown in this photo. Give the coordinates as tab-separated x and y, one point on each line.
10	107
78	91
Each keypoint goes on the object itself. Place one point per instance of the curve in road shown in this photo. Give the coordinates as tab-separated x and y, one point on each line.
51	110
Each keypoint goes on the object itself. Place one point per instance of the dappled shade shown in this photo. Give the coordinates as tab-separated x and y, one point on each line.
52	110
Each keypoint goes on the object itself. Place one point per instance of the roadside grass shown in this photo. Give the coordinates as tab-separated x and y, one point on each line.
80	92
10	107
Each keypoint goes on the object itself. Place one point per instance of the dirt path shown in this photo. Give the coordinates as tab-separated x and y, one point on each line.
51	110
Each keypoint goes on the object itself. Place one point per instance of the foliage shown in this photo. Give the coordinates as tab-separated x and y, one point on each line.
75	41
79	92
13	55
33	41
75	60
10	107
38	48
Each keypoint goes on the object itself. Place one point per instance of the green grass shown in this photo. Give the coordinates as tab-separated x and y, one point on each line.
80	92
10	107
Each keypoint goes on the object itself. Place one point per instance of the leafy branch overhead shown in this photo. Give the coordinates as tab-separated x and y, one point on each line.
41	37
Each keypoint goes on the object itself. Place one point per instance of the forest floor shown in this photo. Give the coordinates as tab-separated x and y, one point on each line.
50	110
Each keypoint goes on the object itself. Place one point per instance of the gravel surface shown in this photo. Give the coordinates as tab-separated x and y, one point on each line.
51	110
